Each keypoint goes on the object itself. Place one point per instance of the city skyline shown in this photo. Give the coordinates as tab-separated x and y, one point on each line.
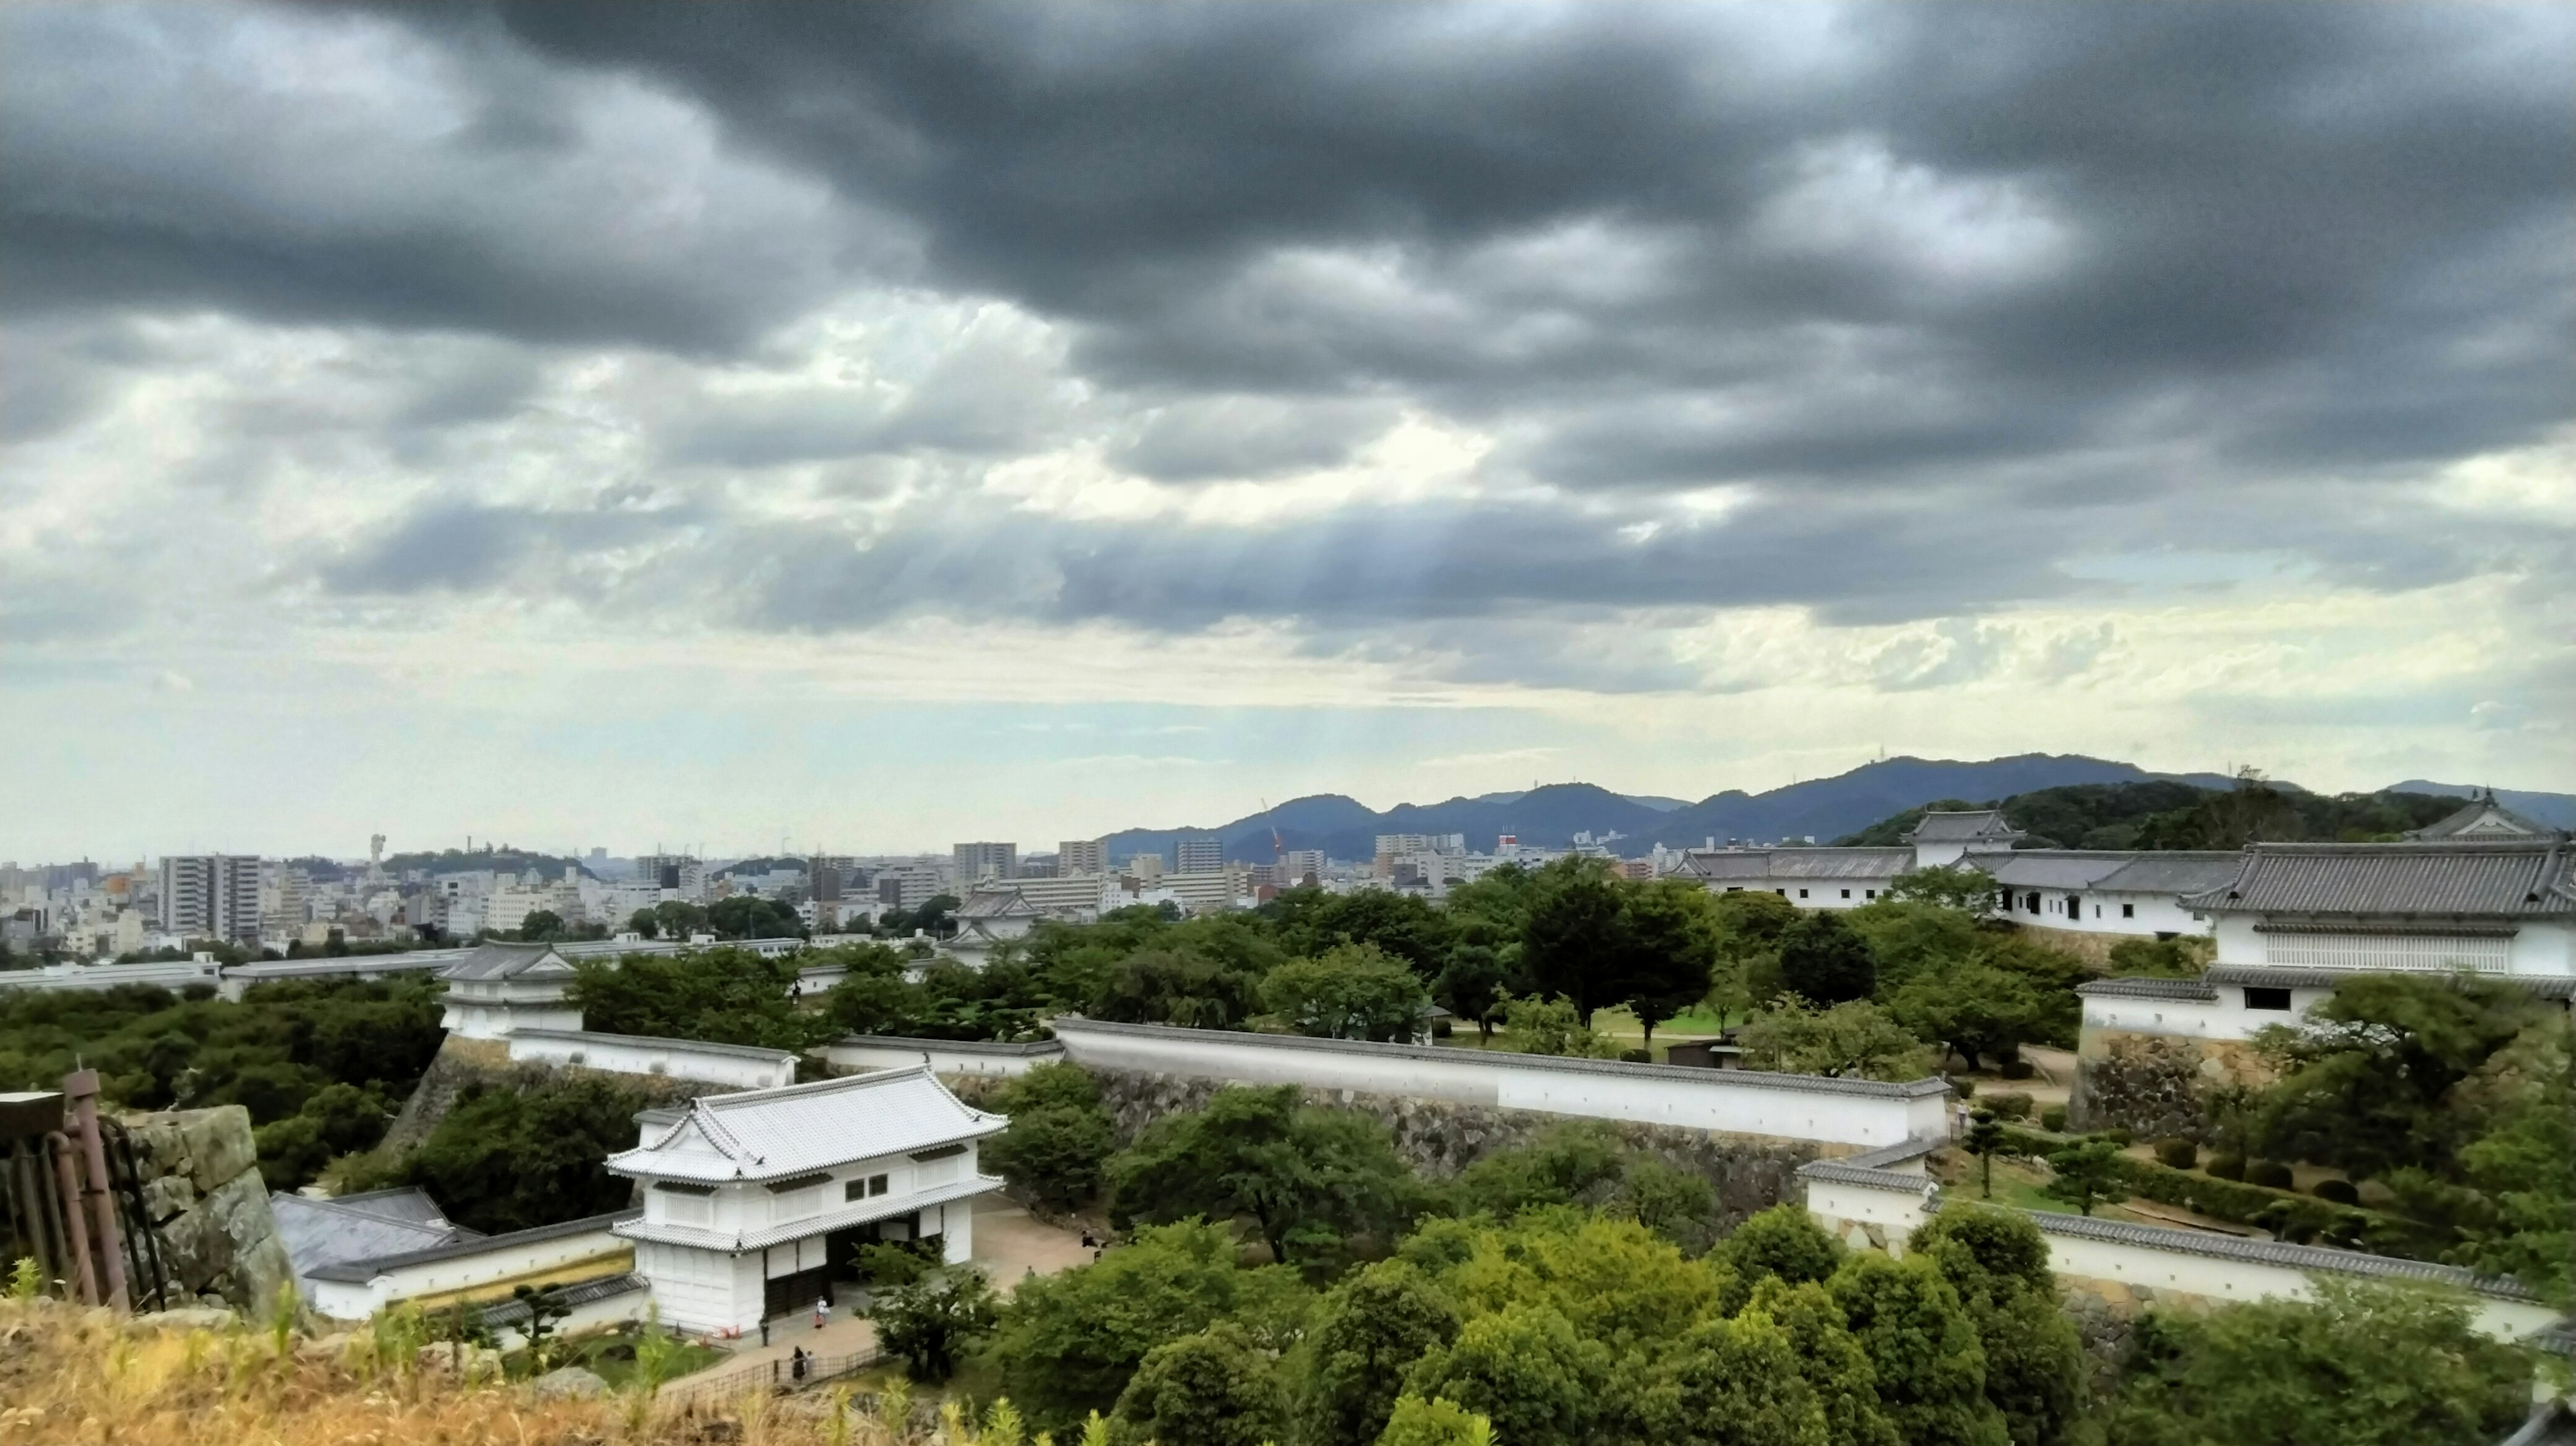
891	426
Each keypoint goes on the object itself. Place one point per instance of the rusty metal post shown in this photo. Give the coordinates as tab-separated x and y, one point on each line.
83	1282
80	1090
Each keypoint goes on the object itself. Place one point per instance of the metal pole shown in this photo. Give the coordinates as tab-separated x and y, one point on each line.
80	1088
79	1277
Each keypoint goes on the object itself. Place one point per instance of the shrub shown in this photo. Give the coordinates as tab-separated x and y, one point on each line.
2177	1153
1440	1029
2053	1118
2015	1106
2016	1069
2270	1174
1964	1087
2121	1135
2340	1192
2226	1165
1636	1056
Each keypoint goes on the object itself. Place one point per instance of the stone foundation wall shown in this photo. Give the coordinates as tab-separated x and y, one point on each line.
2155	1084
463	1062
209	1207
1440	1138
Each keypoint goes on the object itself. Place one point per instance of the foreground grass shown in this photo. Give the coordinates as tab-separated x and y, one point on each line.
89	1378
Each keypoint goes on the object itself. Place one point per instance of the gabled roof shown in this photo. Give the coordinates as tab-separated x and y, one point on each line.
319	1234
1810	864
1982	825
999	904
2483	817
2171	872
2519	879
497	960
774	1133
2055	868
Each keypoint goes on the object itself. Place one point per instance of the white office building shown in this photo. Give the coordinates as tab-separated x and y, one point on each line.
211	896
973	861
756	1203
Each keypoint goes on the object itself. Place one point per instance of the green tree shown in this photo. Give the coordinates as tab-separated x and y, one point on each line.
1750	924
2086	1175
1554	1026
1060	1135
1852	1040
541	924
1367	1333
1473	985
1576	922
2366	1084
1417	1422
1352	991
1216	1387
1963	887
1311	1179
1984	1141
1311	922
1737	1383
1523	1368
1069	1342
1166	986
1584	1162
1782	1243
721	995
1972	1008
1823	960
748	916
1835	1366
505	1159
337	1119
932	1322
1998	1263
2360	1364
1923	1346
1669	931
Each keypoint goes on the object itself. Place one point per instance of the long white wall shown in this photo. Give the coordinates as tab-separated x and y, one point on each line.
687	1059
498	1259
2166	1261
1859	1113
944	1056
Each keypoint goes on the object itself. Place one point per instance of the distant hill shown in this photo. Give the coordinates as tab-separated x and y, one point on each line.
1550	817
2558	810
2173	815
502	860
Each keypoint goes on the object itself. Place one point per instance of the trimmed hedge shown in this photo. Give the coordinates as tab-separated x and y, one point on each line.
2226	1165
2270	1173
2053	1118
2177	1153
2013	1106
2341	1192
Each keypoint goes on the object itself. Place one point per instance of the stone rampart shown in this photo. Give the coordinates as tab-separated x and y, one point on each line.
2156	1085
209	1207
463	1062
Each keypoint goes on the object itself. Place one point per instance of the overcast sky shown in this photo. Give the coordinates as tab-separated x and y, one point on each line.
877	425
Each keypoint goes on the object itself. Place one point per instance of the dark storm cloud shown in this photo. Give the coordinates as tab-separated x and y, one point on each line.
1950	293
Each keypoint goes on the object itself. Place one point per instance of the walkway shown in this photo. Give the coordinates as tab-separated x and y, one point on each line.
1010	1244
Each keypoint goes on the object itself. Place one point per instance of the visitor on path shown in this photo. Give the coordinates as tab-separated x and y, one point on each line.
796	1364
822	1310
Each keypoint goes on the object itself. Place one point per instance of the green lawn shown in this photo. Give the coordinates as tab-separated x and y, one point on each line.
612	1358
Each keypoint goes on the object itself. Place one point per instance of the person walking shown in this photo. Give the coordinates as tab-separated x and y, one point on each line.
796	1364
822	1310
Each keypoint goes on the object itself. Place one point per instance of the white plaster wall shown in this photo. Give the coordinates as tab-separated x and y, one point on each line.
506	1259
1897	1213
699	1290
674	1058
1719	1102
2098	912
478	1019
957	1231
869	1054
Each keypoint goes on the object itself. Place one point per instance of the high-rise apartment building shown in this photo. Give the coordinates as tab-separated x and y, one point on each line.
677	875
985	861
1298	866
211	896
1200	855
1081	856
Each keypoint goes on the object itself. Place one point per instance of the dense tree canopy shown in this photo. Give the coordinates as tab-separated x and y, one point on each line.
1310	1179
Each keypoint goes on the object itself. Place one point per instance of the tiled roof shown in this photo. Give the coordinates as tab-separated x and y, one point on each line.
2171	872
2545	986
643	1041
577	1293
1798	865
2054	868
2139	987
319	1234
1944	826
401	1202
1868	1179
774	1133
2500	821
359	1272
1026	1049
510	961
2521	879
998	904
2273	1252
1696	1074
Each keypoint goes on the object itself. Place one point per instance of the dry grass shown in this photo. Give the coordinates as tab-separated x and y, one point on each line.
73	1377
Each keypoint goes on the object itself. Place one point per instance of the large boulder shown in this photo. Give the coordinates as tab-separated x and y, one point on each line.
571	1382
